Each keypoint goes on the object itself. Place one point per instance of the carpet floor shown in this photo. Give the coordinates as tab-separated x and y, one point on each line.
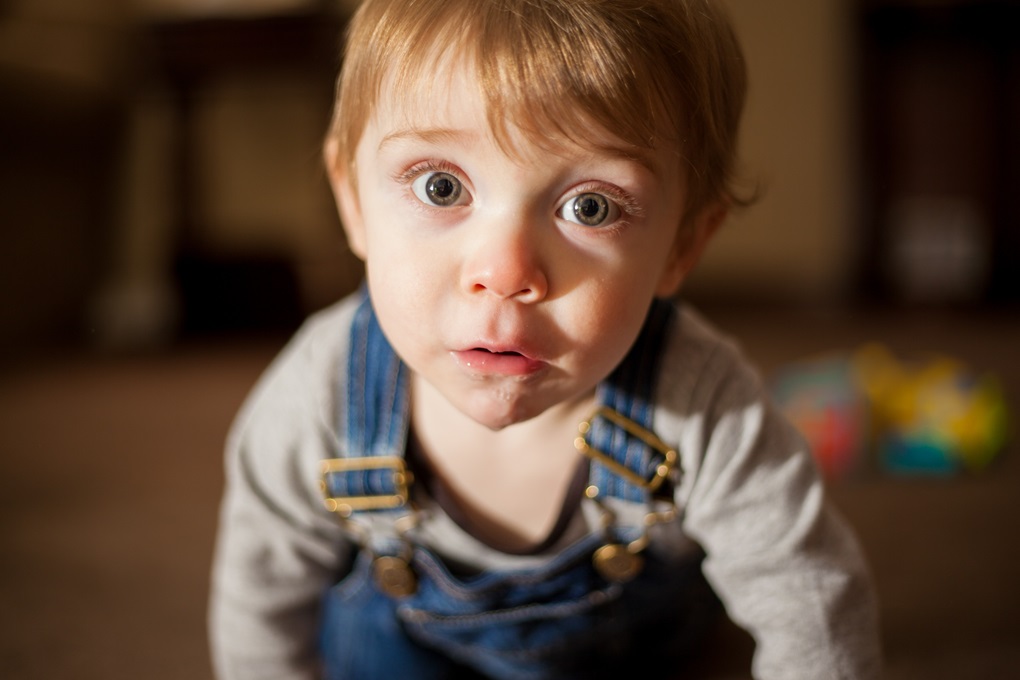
111	472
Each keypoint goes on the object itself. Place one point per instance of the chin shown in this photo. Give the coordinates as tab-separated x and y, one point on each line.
497	422
498	416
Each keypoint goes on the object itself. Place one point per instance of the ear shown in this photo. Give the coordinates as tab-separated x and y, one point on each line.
346	198
689	245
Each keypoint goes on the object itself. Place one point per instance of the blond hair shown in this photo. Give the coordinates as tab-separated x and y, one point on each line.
651	72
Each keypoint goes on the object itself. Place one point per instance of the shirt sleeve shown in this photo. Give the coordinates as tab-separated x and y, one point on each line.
278	550
785	564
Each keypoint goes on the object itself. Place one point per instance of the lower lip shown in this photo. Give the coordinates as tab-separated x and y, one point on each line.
504	363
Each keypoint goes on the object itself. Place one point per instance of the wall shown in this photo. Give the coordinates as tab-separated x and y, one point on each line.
799	242
260	186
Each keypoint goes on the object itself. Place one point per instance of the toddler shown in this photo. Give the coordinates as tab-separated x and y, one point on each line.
513	454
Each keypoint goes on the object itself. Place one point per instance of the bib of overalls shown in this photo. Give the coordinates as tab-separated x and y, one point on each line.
562	619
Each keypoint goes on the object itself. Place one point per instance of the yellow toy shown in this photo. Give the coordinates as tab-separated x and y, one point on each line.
931	417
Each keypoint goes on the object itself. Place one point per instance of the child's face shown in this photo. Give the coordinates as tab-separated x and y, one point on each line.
511	285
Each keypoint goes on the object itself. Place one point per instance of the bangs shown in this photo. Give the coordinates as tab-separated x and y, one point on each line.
650	73
555	74
548	71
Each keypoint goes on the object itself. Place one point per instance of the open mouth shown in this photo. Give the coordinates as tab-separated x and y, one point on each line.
485	361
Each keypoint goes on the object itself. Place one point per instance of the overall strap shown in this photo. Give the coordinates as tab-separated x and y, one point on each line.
373	416
377	396
628	460
370	475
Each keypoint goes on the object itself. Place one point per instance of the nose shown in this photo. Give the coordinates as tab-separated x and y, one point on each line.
505	261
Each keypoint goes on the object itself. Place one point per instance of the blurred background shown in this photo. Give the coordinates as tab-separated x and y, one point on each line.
167	224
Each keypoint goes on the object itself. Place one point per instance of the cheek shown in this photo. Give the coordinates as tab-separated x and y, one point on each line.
398	312
403	285
609	320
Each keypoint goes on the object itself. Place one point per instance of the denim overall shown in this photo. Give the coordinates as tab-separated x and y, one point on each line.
564	619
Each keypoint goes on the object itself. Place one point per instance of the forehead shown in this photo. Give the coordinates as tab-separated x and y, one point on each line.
445	97
444	90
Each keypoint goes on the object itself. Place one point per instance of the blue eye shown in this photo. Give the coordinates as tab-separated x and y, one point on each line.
589	210
438	188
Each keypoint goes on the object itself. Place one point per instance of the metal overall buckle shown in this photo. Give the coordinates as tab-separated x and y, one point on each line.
615	561
346	505
393	574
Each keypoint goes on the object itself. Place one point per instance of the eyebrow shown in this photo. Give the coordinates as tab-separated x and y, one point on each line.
636	154
428	135
440	136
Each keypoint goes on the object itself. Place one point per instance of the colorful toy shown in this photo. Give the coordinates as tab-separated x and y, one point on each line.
822	400
935	416
932	417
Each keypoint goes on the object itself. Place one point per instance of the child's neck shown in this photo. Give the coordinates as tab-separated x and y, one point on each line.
512	482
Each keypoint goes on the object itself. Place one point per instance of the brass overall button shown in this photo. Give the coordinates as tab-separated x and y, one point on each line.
615	563
394	576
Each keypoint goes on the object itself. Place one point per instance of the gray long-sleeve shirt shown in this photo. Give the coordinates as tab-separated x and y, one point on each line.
785	565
